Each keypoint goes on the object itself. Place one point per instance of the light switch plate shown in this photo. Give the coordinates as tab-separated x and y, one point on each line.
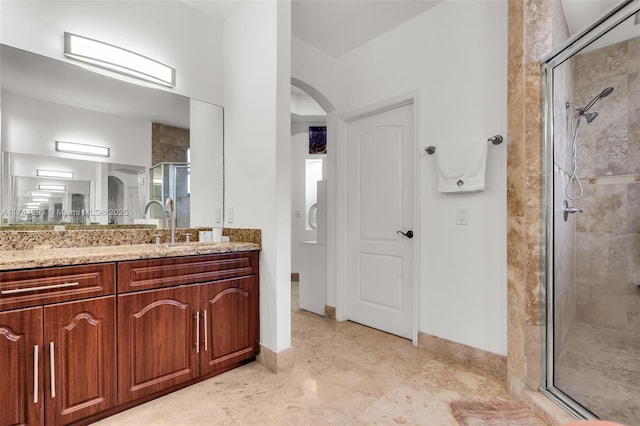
462	216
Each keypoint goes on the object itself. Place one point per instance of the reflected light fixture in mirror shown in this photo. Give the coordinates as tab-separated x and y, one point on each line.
114	58
45	187
80	148
54	174
40	194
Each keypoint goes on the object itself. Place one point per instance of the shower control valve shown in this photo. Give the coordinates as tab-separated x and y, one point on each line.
569	210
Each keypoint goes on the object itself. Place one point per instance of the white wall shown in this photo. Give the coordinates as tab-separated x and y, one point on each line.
454	56
313	67
258	149
167	31
207	165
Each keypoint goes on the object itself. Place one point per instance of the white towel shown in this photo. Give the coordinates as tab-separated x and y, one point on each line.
461	165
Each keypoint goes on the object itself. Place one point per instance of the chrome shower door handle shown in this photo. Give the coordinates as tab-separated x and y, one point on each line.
569	210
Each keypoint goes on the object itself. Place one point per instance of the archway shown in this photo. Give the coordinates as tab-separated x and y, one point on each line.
309	110
116	200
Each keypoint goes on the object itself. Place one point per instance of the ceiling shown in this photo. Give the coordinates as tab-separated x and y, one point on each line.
338	27
582	13
335	27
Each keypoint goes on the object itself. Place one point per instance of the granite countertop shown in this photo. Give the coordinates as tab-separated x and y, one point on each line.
46	257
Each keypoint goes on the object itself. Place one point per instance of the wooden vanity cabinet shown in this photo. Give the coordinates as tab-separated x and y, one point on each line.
205	325
73	350
21	381
231	324
58	359
156	341
80	351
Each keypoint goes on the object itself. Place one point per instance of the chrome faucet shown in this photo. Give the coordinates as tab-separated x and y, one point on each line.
172	216
169	222
164	212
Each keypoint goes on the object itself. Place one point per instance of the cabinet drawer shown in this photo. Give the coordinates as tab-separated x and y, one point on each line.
156	273
31	287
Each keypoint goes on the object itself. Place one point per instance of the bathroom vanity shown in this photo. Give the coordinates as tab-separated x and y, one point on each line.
84	341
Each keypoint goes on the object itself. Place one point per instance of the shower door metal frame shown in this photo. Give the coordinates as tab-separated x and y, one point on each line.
610	20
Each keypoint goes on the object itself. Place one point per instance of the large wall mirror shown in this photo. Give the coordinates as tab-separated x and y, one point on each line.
160	145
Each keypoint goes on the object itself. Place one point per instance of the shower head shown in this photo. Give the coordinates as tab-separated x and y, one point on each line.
606	92
590	116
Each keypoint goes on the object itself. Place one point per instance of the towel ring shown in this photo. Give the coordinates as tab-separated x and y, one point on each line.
496	140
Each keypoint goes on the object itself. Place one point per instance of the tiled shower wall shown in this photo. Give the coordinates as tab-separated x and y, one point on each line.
608	231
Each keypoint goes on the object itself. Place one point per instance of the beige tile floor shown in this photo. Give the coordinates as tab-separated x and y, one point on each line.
344	374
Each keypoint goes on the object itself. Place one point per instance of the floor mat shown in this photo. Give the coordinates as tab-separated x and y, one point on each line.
493	413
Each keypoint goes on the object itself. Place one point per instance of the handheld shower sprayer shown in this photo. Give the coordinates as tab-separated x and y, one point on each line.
575	125
606	92
582	111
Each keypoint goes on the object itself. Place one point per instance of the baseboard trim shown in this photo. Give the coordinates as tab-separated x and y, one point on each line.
277	362
459	352
330	312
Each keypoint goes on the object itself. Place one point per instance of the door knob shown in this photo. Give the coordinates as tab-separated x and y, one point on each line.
408	234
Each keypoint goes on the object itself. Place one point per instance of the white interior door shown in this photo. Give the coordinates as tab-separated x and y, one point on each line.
380	193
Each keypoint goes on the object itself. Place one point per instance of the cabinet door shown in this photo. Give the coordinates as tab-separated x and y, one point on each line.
80	347
232	323
156	341
21	379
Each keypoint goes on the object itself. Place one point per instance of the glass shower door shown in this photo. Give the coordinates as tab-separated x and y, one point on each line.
593	116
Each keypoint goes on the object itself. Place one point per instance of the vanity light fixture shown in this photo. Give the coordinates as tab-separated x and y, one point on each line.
80	148
54	174
40	200
45	187
40	194
117	59
33	205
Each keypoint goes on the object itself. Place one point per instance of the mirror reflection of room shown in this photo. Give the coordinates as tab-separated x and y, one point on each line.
138	141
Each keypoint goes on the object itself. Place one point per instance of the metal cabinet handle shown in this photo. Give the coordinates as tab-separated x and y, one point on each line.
197	316
52	360
204	313
36	353
42	287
